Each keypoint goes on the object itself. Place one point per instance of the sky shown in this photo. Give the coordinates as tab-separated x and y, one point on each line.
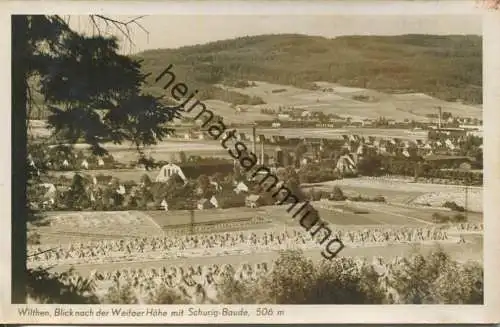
185	28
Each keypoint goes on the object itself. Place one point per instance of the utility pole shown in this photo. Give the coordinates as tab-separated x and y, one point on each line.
439	118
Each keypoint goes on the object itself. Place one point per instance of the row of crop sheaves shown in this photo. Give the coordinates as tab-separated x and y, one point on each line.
216	226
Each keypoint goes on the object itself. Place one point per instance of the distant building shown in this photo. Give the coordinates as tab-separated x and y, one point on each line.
121	190
279	157
216	186
204	204
240	187
242	137
346	165
253	201
168	171
214	202
164	205
85	164
284	117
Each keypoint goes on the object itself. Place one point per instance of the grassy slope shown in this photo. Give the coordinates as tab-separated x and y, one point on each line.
447	67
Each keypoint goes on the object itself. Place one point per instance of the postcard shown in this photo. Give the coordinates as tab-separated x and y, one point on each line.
250	162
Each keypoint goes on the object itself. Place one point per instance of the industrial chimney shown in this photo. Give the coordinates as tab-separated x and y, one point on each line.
262	152
254	132
439	118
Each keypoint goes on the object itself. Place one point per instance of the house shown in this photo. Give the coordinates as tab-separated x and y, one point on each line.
276	125
305	114
85	164
204	204
168	171
65	163
101	179
240	187
284	116
216	186
50	194
346	165
201	136
100	162
214	202
253	201
92	197
164	205
242	137
121	190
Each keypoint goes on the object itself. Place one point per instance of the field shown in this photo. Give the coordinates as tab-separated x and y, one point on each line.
65	227
331	133
341	100
473	251
69	226
403	191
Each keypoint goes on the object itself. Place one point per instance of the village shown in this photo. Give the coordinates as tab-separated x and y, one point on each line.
379	138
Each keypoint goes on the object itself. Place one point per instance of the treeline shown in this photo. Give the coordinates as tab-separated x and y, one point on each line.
447	67
377	165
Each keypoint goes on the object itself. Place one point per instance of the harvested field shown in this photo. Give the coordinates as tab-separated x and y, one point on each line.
335	133
342	100
167	219
436	199
213	220
472	250
67	227
380	214
406	192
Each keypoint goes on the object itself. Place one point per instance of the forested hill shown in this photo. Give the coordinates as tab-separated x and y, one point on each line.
447	67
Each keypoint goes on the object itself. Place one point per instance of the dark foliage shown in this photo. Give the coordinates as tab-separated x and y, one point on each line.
448	67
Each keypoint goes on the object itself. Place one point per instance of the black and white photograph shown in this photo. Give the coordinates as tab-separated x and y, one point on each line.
246	159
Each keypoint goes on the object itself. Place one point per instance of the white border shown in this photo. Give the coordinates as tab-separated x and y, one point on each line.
487	313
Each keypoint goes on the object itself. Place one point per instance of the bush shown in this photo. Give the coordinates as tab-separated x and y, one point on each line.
120	294
419	279
459	218
337	194
453	206
359	198
163	295
438	218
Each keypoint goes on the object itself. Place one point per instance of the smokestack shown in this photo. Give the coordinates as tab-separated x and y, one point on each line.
254	132
439	118
262	152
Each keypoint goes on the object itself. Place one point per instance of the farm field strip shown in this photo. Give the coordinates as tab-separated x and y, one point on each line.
392	213
470	251
405	185
333	133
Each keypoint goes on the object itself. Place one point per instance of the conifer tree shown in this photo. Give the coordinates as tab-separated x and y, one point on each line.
93	94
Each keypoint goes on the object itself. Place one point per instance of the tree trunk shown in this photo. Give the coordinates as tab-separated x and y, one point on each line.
19	159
